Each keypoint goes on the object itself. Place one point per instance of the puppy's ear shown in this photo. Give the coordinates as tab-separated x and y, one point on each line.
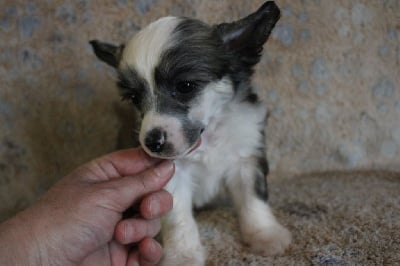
108	53
247	36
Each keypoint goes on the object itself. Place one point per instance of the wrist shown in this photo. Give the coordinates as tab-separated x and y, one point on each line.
18	244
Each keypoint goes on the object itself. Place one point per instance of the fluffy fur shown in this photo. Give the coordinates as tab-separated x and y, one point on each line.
191	83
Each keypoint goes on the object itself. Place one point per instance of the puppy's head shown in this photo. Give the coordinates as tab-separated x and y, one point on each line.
179	73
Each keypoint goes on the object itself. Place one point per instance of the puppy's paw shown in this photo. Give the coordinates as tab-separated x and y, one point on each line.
192	257
269	240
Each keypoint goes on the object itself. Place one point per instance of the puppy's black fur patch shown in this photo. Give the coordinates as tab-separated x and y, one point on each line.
198	56
260	182
132	87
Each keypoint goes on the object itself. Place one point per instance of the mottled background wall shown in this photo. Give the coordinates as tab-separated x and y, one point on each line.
330	76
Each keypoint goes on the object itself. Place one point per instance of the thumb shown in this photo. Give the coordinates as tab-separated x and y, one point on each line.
127	190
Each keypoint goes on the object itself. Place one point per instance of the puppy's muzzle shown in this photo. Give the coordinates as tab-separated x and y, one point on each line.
156	140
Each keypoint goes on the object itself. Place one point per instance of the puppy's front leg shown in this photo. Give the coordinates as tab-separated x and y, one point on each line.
259	227
180	235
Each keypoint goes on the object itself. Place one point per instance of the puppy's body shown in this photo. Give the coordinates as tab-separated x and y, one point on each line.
236	133
191	82
204	174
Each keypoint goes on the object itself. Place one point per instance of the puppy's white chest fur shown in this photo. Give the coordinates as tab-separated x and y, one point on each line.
230	137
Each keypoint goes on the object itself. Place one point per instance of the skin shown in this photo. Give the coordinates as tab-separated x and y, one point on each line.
79	220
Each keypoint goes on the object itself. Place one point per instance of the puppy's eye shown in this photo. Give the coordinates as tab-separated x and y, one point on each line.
186	87
130	97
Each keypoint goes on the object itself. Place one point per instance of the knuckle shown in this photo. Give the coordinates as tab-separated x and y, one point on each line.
156	204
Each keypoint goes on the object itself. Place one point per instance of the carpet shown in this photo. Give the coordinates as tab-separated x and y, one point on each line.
335	219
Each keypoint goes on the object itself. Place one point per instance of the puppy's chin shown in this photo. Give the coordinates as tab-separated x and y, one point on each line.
173	154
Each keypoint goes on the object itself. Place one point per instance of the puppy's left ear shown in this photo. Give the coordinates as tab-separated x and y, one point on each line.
247	36
108	53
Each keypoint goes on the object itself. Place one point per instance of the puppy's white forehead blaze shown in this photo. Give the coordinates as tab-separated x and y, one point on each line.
144	50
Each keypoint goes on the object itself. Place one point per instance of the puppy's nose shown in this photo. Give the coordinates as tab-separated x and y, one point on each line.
155	140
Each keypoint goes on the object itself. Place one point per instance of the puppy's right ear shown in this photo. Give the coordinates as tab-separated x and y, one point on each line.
108	53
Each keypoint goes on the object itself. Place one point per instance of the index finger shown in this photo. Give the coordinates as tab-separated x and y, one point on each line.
127	162
124	192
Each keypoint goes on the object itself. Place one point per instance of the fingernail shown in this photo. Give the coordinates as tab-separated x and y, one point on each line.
155	246
164	168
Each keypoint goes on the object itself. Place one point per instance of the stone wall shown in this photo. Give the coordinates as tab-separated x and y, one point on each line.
330	76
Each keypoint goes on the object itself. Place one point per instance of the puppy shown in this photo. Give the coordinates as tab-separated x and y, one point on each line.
191	83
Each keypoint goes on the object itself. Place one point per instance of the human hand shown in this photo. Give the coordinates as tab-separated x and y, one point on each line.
79	220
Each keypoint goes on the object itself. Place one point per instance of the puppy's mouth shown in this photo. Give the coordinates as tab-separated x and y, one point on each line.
195	146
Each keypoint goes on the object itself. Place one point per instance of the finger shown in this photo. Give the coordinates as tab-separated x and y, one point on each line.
150	252
118	253
156	204
133	258
126	162
152	206
133	230
124	192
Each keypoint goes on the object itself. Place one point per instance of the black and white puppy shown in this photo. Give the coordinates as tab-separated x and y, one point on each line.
191	83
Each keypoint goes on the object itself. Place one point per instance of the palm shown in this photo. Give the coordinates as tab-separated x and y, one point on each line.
113	254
